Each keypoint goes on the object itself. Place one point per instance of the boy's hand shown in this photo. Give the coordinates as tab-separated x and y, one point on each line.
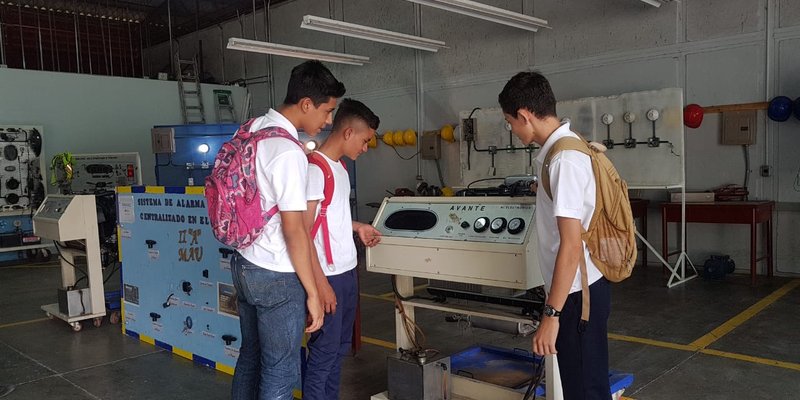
368	234
327	297
315	315
544	342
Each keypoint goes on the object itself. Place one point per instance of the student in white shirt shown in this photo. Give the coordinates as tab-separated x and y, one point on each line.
529	106
273	276
337	280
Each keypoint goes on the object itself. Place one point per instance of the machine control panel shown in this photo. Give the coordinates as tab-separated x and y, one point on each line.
53	207
472	220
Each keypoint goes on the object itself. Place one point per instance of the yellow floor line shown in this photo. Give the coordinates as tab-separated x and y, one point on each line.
745	315
27	266
757	360
651	342
376	297
23	322
378	342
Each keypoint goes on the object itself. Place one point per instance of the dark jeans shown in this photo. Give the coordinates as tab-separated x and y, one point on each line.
583	355
272	316
330	344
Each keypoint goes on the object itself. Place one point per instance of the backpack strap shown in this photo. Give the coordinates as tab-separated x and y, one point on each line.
577	144
322	219
565	143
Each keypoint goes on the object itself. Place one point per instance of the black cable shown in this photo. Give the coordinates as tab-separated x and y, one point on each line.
536	379
80	294
58	250
473	112
482	180
166	303
398	154
746	165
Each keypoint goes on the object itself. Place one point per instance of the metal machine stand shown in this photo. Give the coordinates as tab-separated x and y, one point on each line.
65	218
462	387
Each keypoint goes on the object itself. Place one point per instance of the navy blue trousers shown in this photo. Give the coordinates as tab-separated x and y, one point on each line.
329	345
583	354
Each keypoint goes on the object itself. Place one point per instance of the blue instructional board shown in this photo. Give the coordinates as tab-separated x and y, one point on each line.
176	276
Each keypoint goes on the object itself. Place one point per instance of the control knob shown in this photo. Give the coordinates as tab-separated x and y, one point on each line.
516	225
498	225
480	224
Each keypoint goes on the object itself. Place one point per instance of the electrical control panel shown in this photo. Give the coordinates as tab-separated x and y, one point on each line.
474	221
105	171
487	241
21	167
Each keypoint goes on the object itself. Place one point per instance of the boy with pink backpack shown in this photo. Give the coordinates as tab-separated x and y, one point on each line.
329	219
257	200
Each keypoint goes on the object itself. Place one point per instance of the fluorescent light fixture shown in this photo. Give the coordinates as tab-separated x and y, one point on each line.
256	46
488	13
654	3
369	33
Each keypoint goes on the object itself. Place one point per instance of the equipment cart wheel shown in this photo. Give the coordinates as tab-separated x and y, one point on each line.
97	322
76	326
114	317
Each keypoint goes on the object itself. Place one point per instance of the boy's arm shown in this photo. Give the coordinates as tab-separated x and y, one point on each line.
327	296
298	244
567	259
367	233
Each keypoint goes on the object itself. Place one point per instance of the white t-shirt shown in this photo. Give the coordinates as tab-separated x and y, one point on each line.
573	188
340	222
281	175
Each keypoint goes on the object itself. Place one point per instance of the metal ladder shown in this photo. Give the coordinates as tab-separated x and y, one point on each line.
189	90
223	106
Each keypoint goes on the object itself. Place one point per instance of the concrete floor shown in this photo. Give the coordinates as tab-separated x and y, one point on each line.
660	335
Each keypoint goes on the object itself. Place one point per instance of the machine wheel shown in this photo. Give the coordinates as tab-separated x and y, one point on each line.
76	326
97	322
114	317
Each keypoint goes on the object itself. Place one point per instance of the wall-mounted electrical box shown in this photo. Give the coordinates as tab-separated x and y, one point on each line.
738	128
431	146
163	140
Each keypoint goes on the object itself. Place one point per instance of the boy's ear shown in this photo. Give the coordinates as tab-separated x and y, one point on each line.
305	104
348	132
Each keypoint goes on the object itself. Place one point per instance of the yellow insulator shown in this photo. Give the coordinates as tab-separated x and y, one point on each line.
387	138
447	191
447	133
373	142
397	138
410	137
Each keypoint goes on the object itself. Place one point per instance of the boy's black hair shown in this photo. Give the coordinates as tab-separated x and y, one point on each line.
349	109
313	80
529	90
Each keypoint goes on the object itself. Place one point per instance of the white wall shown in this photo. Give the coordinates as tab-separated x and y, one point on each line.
719	51
95	114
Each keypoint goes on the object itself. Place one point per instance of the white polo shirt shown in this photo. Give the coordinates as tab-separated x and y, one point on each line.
573	187
281	175
340	221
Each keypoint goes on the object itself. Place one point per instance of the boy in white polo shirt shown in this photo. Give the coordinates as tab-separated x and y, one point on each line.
529	106
335	273
273	276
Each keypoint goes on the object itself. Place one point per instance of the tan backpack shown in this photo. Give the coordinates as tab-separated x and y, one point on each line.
611	235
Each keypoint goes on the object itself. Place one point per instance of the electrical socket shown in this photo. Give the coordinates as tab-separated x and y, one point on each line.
765	170
468	129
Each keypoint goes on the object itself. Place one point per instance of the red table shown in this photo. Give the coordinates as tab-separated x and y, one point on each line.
729	212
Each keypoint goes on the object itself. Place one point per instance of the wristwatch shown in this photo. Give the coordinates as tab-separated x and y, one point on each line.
549	311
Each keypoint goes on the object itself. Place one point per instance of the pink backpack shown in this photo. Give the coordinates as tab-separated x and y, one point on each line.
234	205
322	218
